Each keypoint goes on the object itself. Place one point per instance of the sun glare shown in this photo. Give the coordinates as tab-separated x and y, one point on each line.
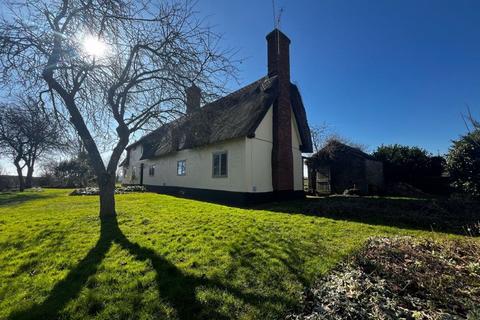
94	47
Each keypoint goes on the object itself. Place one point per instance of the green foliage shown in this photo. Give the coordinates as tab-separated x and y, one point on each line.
412	165
170	258
463	163
72	173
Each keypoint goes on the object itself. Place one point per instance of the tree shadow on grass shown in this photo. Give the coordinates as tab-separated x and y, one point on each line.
13	198
168	276
441	215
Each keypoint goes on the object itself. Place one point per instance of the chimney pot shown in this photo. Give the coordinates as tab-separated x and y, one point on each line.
278	53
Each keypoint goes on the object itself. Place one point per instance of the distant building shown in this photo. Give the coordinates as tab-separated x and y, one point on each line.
245	147
337	167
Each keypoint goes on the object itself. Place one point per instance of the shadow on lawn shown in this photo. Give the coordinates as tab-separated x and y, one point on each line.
441	215
12	198
183	300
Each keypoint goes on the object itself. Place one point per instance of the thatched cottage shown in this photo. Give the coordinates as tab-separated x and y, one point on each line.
338	167
245	147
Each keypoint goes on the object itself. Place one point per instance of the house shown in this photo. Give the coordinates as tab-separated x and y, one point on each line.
337	167
243	148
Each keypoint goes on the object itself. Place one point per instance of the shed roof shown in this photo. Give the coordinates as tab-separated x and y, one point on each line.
335	150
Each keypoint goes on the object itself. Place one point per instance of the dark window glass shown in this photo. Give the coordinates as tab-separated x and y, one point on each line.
216	165
151	171
220	164
223	164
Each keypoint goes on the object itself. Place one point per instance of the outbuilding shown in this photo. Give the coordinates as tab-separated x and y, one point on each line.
338	167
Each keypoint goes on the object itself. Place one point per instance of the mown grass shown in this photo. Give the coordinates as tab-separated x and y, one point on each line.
164	257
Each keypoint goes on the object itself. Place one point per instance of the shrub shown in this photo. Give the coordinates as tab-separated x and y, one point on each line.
412	165
463	163
75	172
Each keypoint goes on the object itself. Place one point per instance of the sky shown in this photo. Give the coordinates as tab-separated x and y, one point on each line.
377	72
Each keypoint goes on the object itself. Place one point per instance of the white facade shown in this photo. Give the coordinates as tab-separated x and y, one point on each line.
249	164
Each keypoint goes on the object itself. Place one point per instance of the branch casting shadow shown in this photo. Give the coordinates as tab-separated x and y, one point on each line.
184	301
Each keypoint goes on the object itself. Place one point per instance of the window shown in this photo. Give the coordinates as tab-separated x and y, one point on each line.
181	167
220	164
151	171
134	173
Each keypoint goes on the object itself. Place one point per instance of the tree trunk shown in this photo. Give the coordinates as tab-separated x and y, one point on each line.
28	179
21	184
106	184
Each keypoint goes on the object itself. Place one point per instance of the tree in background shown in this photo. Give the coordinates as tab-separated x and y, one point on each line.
322	134
472	125
72	173
3	179
319	135
463	160
27	132
408	164
111	67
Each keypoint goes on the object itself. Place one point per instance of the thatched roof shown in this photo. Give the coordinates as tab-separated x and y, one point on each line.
233	116
335	150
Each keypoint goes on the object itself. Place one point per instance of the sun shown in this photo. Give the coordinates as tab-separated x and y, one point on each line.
94	47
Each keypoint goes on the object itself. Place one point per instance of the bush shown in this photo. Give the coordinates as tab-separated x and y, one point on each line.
463	164
72	173
412	165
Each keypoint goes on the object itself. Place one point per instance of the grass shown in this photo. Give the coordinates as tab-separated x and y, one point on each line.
166	257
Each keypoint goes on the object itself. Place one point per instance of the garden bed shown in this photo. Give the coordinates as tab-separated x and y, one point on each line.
93	191
401	277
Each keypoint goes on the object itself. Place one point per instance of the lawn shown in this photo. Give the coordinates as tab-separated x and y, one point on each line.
166	257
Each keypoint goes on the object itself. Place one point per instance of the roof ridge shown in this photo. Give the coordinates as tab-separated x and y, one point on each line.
244	88
208	105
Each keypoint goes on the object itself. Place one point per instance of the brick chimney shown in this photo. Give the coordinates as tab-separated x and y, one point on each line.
194	94
282	157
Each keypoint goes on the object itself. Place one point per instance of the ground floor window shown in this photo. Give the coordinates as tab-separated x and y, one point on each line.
181	167
151	171
220	164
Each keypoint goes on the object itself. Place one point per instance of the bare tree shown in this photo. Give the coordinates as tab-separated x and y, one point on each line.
323	133
472	125
319	135
342	139
26	133
111	67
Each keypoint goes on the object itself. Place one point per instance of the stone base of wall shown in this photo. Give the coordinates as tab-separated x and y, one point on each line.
227	197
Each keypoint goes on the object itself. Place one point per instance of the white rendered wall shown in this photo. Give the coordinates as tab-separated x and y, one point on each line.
297	156
259	156
199	168
249	163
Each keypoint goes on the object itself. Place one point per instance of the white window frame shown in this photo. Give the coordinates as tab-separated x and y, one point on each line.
184	172
219	154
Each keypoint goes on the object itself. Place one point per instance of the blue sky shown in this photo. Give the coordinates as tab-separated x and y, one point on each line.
377	71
